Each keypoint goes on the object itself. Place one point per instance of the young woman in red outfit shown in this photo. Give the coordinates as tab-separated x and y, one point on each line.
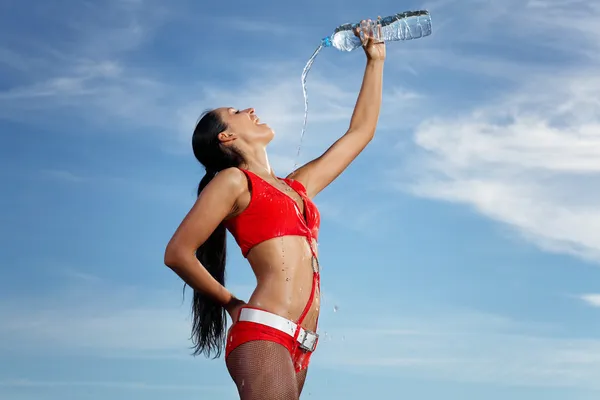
275	223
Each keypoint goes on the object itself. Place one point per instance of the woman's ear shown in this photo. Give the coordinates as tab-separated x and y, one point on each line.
225	137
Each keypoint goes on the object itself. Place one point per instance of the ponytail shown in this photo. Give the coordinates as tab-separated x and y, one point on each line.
209	322
209	319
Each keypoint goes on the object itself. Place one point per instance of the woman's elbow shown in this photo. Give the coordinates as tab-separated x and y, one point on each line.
173	256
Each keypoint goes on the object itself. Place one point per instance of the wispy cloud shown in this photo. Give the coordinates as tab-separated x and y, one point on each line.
94	90
527	156
464	347
112	92
62	175
26	383
92	76
347	212
461	345
129	322
74	321
76	275
591	299
13	60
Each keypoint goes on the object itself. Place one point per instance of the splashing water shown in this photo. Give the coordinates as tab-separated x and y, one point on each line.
307	68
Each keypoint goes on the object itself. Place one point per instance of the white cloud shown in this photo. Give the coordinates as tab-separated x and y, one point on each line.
532	166
591	299
529	157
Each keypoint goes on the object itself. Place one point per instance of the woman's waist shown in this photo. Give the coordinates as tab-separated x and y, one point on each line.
289	300
284	264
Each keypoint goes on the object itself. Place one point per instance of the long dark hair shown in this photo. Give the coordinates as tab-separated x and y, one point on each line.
209	317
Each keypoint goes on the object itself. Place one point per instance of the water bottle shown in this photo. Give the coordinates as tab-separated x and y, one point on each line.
403	26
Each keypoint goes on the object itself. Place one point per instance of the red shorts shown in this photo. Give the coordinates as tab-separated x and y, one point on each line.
246	331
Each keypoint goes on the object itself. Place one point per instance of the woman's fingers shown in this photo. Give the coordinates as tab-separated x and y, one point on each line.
369	32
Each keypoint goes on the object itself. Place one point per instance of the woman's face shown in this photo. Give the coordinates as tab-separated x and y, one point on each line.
244	124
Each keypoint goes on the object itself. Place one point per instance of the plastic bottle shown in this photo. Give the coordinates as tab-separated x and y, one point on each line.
403	26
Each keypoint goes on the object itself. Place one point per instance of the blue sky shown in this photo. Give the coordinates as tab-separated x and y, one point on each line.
460	251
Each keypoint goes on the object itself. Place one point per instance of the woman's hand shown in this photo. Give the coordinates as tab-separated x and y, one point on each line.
233	308
373	47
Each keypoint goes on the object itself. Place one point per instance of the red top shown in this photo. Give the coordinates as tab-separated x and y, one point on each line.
271	213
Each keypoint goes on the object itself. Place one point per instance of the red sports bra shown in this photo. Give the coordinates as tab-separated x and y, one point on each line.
272	213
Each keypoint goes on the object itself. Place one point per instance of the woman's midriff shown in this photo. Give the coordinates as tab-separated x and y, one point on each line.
284	273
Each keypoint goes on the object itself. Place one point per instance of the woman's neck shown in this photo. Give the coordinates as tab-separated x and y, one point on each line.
257	161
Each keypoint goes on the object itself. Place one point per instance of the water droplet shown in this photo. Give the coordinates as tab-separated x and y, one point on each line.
335	308
287	279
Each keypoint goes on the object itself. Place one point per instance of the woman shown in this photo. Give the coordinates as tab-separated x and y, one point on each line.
275	223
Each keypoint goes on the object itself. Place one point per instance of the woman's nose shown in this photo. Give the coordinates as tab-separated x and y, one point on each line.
249	110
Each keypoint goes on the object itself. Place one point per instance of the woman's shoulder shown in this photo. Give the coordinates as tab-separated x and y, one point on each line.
232	179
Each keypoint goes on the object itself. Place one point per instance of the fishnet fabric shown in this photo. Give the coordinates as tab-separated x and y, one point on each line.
263	370
300	379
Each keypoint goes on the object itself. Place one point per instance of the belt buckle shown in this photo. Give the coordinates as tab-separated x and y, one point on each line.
304	336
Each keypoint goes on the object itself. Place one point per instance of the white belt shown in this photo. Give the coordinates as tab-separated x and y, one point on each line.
306	338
